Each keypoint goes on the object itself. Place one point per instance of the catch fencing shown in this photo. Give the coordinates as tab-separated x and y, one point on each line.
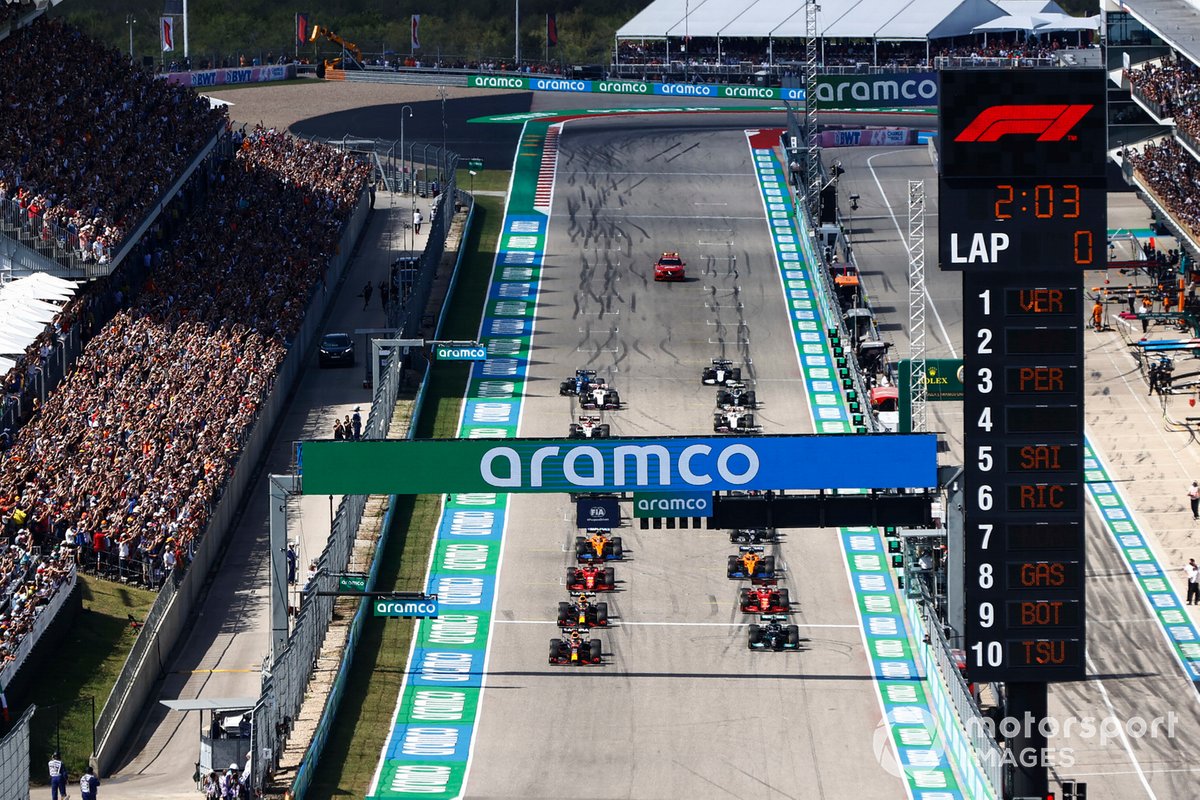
14	759
285	681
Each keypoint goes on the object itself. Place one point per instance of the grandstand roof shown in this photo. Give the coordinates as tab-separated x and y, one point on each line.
1019	8
27	305
858	19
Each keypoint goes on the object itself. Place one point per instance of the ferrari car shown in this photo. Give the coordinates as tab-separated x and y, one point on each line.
751	564
669	267
774	634
721	373
581	612
600	396
588	428
591	578
577	385
764	600
735	420
734	394
753	535
575	648
598	546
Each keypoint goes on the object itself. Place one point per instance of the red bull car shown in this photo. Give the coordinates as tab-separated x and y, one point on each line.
764	600
670	267
582	612
598	546
575	648
591	578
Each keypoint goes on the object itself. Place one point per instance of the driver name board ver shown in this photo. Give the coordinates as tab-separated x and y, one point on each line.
1021	215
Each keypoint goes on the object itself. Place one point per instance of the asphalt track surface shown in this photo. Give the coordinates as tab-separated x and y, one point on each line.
681	708
1133	673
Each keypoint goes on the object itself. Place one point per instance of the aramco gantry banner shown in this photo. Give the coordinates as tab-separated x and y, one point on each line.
684	463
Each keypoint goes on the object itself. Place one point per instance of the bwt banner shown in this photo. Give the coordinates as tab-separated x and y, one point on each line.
684	463
868	138
222	77
851	92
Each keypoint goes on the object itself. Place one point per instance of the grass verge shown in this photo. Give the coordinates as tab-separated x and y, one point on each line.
84	669
365	716
486	180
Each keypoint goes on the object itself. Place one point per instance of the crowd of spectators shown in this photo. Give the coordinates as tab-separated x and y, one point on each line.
119	469
90	142
1174	176
1173	87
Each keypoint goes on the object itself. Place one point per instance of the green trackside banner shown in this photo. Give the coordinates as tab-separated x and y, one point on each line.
683	463
844	92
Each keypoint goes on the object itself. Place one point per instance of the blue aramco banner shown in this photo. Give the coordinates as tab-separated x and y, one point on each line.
684	463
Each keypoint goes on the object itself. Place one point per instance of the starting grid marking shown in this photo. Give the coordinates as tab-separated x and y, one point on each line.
928	772
1176	626
428	751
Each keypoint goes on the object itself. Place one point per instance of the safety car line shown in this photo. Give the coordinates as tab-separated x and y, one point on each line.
919	740
428	751
1138	552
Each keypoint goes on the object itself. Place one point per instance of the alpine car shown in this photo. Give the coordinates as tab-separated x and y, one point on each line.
721	373
591	578
600	396
774	634
577	385
751	564
575	649
735	420
588	428
336	348
598	546
753	535
581	612
734	394
764	600
669	267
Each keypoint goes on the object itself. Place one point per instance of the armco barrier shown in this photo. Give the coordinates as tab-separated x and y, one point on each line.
312	757
169	616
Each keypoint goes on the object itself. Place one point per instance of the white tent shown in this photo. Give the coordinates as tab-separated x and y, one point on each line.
6	364
1065	22
27	306
1017	8
1021	22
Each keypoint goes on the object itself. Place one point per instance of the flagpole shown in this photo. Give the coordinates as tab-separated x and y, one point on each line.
518	50
185	30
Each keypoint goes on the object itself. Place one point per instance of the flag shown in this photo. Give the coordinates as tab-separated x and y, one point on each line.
301	29
166	27
416	40
551	31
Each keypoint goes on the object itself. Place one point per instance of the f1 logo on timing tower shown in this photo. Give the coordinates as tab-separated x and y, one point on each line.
1051	123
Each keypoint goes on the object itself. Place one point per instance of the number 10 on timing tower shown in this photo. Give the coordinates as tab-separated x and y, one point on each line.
1022	213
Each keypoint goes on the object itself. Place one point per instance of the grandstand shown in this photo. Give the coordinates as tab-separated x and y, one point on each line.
128	399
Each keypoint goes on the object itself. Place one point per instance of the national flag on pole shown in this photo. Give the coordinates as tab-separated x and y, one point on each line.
551	31
301	29
416	38
166	28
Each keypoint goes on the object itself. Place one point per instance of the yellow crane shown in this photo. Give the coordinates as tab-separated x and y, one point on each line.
350	50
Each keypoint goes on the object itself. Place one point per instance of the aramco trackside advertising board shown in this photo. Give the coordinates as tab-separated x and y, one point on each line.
685	463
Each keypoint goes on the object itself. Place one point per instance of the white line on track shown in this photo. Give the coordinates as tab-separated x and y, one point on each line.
664	624
1137	767
904	242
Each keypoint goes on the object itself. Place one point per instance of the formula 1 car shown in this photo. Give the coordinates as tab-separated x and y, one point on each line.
669	267
577	385
588	428
734	394
735	420
753	535
598	546
583	613
575	649
751	564
764	600
590	578
774	634
600	396
721	373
